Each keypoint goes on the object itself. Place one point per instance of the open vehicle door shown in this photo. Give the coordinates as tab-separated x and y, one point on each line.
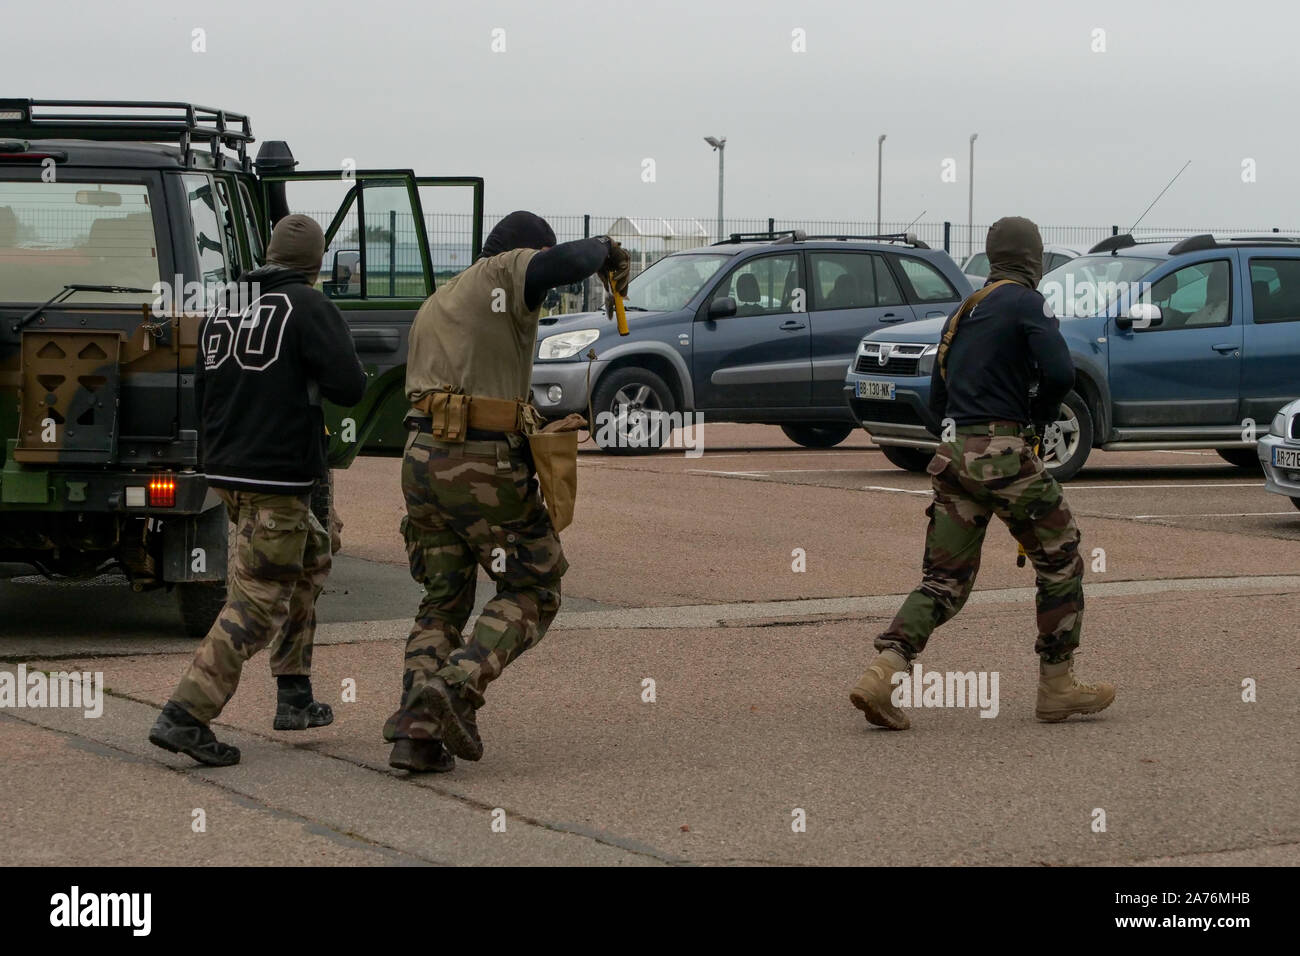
378	269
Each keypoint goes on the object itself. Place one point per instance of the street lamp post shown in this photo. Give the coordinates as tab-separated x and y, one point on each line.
880	154
970	199
719	145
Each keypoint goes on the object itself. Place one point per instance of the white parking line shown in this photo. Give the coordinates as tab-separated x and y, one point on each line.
905	491
1184	484
1231	514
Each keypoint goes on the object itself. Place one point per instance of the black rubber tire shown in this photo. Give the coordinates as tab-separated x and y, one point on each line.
1244	458
817	436
909	459
604	401
1296	502
200	602
1074	464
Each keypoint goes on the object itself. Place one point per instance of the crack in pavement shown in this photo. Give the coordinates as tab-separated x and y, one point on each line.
101	748
602	837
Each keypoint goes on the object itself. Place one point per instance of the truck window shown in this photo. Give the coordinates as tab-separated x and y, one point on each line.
207	231
250	225
76	232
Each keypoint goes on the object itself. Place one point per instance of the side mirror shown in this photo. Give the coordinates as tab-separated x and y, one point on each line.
722	308
1140	315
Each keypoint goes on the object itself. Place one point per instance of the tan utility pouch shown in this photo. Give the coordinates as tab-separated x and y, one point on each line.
448	414
555	456
494	414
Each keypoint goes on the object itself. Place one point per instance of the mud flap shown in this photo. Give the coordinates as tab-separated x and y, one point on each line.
194	547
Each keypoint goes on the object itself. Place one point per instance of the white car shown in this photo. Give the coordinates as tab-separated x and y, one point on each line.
1279	453
976	265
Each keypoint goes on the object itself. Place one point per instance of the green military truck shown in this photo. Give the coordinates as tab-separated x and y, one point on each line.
120	224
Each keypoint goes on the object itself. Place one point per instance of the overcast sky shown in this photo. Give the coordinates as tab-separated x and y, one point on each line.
562	120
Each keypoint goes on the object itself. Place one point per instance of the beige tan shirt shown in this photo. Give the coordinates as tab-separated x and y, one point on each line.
475	334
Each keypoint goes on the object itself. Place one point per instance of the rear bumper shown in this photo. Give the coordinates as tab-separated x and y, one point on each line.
29	489
1275	479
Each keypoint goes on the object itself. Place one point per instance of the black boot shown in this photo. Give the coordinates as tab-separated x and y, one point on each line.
421	756
294	707
177	731
456	715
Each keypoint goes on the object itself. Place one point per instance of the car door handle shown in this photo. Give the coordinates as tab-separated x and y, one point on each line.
936	314
792	326
1225	347
891	317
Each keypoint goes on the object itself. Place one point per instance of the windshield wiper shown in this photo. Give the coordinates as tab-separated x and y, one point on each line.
634	308
63	294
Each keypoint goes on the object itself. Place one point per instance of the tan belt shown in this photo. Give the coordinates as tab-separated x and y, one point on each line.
451	414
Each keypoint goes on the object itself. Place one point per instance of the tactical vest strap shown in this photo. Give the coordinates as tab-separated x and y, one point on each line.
951	332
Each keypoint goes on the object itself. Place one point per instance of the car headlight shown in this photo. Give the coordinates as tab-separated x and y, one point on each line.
567	344
1278	427
926	365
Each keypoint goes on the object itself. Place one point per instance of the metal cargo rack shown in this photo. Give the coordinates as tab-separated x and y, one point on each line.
122	121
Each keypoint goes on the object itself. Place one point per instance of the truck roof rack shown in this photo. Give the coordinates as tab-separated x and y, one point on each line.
145	121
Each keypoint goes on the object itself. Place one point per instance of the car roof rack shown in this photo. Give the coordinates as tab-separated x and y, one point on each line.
782	235
145	121
798	235
907	238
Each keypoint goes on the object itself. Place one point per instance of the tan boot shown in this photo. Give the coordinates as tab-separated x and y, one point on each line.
874	689
1061	694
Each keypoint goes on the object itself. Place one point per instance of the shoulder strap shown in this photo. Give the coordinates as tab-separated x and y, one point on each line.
964	309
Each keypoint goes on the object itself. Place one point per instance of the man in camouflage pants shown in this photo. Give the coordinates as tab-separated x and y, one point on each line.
988	465
260	375
472	497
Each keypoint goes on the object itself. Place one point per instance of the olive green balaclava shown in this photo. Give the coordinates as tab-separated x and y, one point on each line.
1015	251
298	243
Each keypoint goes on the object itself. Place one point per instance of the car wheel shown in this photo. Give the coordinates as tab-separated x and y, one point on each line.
1296	502
1068	440
635	404
200	602
1244	458
817	436
909	459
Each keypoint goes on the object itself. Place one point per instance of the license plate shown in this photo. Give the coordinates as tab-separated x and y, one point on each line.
880	390
1288	458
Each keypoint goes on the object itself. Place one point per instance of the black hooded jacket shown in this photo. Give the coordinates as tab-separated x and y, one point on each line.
259	379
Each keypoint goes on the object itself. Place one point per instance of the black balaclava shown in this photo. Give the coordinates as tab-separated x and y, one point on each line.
1015	251
519	230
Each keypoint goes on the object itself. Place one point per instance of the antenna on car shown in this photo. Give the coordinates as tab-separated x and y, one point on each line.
1157	199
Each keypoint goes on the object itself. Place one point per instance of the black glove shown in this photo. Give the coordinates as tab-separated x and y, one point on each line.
618	265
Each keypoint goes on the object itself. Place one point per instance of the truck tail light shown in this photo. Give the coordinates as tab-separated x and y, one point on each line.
162	491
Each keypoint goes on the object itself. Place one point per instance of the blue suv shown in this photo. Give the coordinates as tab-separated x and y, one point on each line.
1187	344
759	328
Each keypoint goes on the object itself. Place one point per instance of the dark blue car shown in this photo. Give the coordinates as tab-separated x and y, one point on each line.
760	328
1187	344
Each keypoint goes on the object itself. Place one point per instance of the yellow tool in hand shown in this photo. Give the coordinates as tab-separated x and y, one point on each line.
618	306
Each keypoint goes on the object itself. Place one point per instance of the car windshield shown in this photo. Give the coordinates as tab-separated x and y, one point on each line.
1086	286
57	233
977	265
673	281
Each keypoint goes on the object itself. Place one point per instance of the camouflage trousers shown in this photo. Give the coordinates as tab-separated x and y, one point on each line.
470	506
976	476
279	564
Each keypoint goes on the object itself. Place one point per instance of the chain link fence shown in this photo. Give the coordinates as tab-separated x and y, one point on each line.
393	261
